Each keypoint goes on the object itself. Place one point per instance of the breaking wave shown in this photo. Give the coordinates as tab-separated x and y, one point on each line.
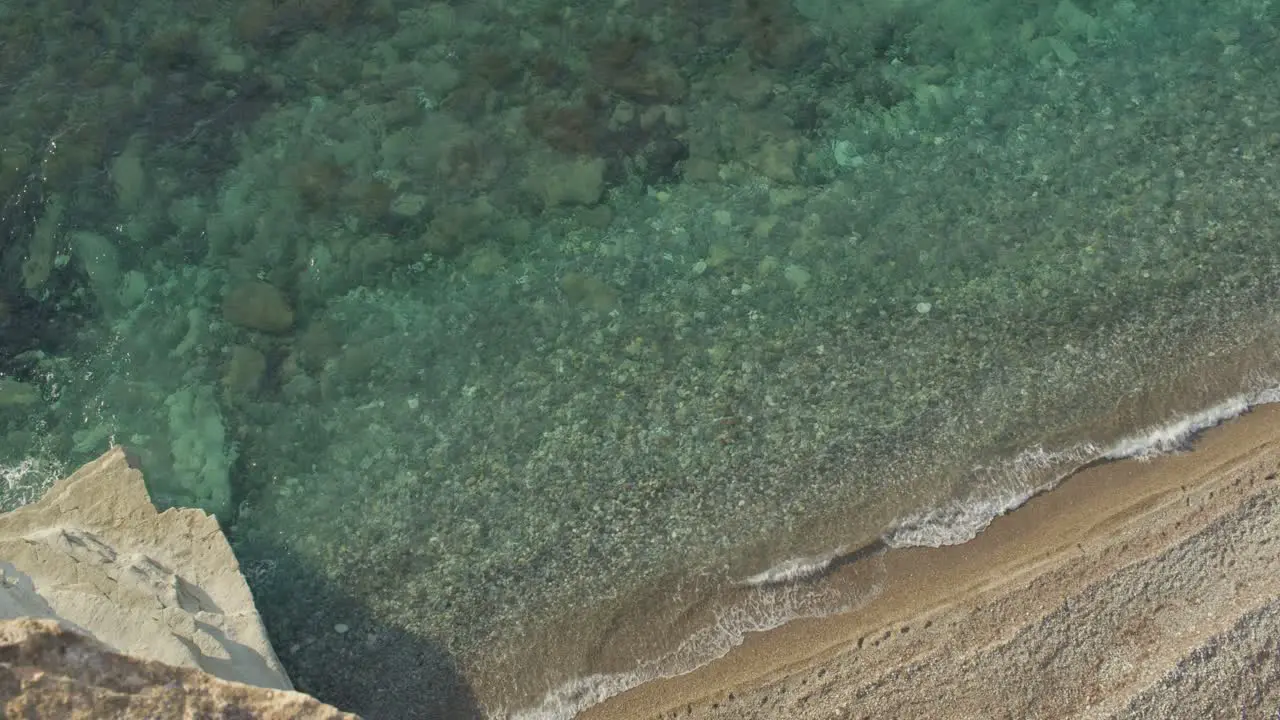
785	591
961	521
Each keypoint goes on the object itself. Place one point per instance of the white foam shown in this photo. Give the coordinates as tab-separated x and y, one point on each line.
999	490
956	523
792	570
25	481
961	521
1174	436
768	607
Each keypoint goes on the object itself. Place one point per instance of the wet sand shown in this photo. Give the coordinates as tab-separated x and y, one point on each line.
1135	589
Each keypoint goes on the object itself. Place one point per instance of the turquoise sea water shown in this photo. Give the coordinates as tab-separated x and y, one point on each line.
526	350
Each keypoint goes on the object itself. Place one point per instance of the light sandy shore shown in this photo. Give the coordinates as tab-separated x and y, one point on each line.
1133	590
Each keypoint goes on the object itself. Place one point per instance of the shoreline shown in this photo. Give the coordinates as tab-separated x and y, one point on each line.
931	610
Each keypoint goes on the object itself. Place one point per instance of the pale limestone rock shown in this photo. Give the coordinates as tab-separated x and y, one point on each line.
95	554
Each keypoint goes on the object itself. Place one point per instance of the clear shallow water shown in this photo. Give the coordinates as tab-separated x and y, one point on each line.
518	353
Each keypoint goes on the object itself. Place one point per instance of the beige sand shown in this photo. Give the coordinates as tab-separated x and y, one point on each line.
1133	590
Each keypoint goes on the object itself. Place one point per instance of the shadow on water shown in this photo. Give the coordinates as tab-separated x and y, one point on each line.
371	669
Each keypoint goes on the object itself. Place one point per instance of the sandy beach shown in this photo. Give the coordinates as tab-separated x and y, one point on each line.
1135	589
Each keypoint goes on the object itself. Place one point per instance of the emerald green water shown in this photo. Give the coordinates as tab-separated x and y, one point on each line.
510	339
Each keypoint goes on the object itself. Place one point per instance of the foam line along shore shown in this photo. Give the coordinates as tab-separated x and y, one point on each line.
1141	566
